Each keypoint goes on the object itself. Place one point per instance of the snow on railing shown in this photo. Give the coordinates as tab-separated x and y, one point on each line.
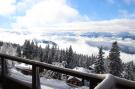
97	81
107	83
112	82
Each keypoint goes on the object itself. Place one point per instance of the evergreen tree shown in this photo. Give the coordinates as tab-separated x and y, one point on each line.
46	53
35	51
18	51
56	57
41	54
54	53
69	54
115	66
51	54
1	43
99	64
62	56
32	48
26	49
129	71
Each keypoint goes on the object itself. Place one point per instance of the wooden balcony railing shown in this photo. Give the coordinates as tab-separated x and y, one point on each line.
97	81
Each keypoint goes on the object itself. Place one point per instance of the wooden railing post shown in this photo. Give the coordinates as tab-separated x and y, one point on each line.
35	78
92	84
4	70
83	81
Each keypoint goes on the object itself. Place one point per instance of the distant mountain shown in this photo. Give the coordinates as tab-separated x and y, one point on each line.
96	34
19	33
44	42
60	34
13	32
125	35
107	46
122	35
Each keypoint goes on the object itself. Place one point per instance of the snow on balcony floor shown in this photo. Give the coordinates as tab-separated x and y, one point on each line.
48	83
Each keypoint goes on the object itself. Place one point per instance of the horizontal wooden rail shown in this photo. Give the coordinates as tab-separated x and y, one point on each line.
124	83
55	68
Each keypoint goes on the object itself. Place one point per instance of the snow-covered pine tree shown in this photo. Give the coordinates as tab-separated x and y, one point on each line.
32	49
45	53
51	54
56	57
26	49
62	55
40	54
70	57
129	71
1	43
99	64
115	66
75	61
18	51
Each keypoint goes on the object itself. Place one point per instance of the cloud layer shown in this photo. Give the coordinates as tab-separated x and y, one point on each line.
46	15
7	7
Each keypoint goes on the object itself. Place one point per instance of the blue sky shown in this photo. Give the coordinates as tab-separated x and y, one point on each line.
63	14
104	9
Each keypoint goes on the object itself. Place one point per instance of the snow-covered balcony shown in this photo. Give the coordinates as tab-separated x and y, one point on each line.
14	79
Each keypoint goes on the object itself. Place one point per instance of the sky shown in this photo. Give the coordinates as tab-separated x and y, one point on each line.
67	15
